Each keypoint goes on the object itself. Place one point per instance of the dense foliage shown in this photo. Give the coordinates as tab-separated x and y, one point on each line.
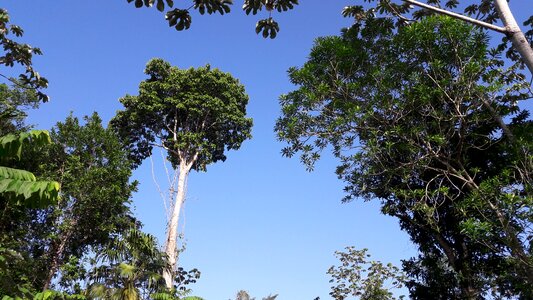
420	120
421	114
195	114
92	168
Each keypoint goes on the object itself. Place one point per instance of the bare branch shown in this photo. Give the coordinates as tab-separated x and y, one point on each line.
459	16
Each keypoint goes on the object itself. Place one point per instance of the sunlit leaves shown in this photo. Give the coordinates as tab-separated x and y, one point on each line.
29	193
20	186
130	265
359	276
195	114
11	144
411	112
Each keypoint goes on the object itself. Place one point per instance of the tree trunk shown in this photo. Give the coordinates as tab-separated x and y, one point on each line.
56	257
510	28
172	227
514	33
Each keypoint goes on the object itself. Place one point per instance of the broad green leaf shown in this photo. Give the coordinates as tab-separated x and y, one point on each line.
16	174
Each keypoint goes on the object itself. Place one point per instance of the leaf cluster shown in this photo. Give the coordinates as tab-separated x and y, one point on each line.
15	53
20	187
195	115
181	19
404	14
14	101
358	276
415	114
131	264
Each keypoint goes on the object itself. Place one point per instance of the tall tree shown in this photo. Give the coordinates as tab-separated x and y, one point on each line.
419	119
94	172
195	115
93	169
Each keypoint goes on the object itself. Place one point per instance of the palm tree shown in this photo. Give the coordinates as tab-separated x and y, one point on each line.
243	295
129	269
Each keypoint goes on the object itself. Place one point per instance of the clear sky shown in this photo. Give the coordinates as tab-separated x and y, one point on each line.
258	221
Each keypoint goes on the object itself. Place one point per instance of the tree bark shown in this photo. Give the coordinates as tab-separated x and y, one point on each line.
57	257
172	227
511	28
514	33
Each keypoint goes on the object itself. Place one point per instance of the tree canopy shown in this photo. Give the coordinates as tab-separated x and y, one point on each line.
420	120
195	115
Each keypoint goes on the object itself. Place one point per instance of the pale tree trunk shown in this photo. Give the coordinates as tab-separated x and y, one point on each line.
511	28
514	33
172	226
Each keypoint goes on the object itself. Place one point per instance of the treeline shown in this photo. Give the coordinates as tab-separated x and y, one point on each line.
422	114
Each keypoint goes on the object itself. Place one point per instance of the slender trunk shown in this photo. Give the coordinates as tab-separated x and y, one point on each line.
514	33
172	227
458	261
469	290
56	257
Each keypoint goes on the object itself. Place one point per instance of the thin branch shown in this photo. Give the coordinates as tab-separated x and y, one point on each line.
15	82
159	188
459	16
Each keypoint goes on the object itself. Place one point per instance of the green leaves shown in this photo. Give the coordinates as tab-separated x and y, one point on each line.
358	276
31	194
195	115
16	174
268	27
11	144
15	53
415	114
130	264
20	186
181	19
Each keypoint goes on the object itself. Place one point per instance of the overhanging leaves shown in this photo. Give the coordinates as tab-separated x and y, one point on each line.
11	144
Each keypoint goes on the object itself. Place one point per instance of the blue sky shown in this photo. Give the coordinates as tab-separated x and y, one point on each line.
258	221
